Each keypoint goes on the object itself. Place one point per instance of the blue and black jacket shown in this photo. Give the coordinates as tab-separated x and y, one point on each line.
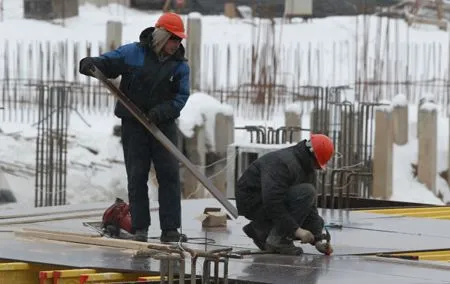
150	83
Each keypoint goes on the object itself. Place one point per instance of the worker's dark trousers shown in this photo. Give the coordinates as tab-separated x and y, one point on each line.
301	204
140	148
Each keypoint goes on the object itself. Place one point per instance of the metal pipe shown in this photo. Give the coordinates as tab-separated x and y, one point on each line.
193	269
349	177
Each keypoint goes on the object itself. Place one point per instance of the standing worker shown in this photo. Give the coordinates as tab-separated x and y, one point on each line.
277	194
155	76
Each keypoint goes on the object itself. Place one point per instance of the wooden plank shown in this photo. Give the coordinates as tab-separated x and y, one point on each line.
46	218
86	239
54	210
91	235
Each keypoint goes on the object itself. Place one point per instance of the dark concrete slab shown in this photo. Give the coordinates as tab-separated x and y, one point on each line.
338	269
362	233
426	227
257	268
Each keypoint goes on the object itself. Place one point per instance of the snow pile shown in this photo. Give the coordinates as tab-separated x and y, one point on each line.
295	107
195	15
428	97
90	177
405	186
428	106
201	110
102	177
399	100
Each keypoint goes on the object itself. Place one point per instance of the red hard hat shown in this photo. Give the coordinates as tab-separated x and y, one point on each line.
173	23
323	149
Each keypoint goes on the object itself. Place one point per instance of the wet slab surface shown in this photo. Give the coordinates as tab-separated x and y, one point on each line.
361	233
257	268
338	269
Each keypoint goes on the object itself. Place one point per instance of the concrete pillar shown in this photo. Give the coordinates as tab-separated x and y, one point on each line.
224	136
382	153
195	148
230	10
293	119
424	99
427	136
113	35
400	119
194	48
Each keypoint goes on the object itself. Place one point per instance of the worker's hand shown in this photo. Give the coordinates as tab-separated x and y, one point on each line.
324	248
153	116
304	235
85	65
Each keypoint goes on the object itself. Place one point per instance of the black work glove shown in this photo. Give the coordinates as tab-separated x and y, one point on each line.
153	116
85	65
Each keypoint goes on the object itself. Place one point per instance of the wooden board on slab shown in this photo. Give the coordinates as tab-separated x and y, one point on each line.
87	239
55	217
52	210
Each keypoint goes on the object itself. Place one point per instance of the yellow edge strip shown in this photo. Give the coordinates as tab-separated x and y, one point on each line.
408	210
440	212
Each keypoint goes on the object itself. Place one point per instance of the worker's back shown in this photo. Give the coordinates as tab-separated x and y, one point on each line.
287	166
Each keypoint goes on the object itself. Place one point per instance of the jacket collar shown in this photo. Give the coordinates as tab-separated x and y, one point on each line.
304	156
145	39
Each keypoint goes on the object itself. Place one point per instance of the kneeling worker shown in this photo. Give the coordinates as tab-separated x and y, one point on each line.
277	194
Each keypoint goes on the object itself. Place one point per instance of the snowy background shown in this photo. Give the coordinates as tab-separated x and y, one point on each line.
101	177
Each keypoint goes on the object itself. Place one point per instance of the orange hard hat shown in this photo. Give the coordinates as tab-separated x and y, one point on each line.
323	149
173	23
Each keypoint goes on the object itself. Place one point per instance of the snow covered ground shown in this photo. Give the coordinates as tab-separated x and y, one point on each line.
94	178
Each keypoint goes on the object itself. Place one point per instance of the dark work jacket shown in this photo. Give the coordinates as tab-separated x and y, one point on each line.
149	83
266	181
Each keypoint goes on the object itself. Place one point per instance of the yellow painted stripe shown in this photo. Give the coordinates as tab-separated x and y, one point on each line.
426	213
439	252
67	273
437	257
18	272
14	266
106	276
438	212
149	278
408	210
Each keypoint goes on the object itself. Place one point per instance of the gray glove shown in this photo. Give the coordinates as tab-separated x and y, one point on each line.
304	236
324	248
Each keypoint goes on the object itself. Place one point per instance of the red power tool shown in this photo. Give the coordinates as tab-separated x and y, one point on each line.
116	217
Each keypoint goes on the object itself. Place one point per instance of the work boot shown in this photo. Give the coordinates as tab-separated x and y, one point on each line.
276	243
256	234
141	235
172	236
